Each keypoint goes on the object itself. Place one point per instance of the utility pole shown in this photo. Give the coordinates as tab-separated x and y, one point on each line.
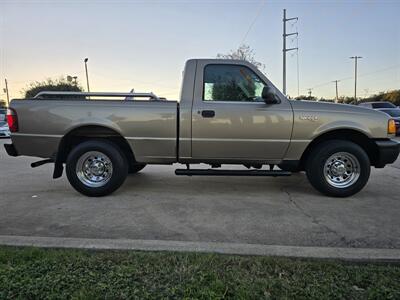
309	92
355	75
87	76
337	94
6	90
284	50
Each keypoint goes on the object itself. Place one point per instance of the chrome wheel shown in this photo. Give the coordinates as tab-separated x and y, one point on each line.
94	169
342	170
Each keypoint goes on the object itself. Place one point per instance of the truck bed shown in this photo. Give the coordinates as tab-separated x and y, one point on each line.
150	127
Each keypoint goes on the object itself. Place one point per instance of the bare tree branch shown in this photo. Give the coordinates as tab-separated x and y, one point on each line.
244	52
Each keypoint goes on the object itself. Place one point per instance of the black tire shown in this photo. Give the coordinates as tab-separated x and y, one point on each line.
108	151
322	180
136	168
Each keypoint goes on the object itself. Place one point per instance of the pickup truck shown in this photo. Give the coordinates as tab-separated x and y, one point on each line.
228	113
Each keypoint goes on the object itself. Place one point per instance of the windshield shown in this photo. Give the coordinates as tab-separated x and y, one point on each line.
383	105
392	112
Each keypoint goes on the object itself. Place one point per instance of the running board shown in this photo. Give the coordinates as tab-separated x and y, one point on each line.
41	162
211	172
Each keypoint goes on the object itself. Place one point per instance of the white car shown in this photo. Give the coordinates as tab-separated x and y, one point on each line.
4	130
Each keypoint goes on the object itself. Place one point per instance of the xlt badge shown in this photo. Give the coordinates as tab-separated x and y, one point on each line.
308	117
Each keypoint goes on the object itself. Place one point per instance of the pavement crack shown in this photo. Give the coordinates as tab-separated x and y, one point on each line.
313	219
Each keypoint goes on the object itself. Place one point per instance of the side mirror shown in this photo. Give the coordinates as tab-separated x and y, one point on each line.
268	96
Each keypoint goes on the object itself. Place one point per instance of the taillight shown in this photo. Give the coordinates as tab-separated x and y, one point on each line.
12	120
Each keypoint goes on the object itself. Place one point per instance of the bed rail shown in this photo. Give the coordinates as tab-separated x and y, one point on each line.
97	94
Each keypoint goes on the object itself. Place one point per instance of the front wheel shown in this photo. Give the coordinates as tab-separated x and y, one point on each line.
96	168
136	168
338	168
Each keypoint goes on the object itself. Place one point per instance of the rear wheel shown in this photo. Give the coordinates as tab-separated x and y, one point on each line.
338	168
96	168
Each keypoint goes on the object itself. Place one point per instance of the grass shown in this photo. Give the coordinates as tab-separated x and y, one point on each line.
32	273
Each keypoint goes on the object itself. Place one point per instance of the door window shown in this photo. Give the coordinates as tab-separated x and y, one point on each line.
231	83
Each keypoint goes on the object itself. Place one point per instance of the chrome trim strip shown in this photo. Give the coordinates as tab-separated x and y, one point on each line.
244	140
37	135
150	138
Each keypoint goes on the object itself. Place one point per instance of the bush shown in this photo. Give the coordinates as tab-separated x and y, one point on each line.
59	85
303	97
346	100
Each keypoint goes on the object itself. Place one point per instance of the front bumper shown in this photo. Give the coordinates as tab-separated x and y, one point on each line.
10	149
388	151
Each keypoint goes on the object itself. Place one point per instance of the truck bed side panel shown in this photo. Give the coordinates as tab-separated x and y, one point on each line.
148	126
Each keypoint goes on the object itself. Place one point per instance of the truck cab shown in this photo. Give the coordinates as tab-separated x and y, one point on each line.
224	118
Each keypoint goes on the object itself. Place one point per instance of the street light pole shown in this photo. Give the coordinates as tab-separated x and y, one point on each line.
87	76
8	96
355	75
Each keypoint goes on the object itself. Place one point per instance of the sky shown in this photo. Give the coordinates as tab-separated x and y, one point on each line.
144	44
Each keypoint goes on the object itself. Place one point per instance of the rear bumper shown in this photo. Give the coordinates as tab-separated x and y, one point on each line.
10	149
388	151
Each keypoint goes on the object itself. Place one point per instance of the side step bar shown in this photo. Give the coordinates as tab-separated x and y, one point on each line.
41	162
211	172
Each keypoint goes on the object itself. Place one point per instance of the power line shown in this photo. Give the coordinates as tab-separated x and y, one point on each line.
262	3
361	75
380	70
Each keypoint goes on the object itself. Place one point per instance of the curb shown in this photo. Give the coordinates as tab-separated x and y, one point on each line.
357	254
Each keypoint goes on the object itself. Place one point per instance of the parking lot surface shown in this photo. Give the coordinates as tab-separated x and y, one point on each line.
157	205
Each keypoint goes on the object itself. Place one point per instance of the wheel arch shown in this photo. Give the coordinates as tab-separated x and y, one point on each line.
83	133
352	135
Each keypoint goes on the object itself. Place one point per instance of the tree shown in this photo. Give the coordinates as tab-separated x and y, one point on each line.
231	90
234	88
244	52
390	96
59	85
346	100
3	103
303	97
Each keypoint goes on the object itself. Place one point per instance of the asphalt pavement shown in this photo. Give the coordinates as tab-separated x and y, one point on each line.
157	205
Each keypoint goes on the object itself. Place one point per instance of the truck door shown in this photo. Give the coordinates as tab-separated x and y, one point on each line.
231	121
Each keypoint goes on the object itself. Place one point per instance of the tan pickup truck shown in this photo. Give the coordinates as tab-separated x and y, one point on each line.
228	113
